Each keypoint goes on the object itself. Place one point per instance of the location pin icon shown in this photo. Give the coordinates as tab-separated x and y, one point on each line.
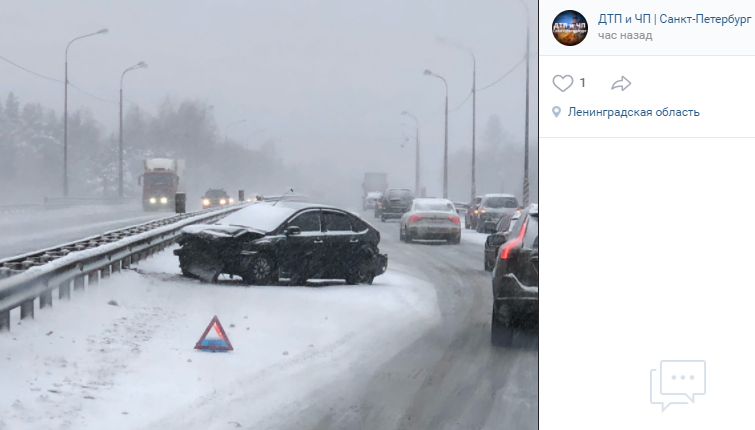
556	111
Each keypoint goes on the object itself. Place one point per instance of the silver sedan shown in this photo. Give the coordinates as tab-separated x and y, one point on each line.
431	219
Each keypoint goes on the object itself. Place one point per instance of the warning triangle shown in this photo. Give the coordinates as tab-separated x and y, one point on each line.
214	343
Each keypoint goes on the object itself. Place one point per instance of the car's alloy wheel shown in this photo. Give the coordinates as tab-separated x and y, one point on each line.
261	271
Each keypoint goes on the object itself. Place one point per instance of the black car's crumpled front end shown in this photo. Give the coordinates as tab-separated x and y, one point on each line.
208	250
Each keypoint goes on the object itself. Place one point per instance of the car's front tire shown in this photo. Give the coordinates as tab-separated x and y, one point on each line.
261	270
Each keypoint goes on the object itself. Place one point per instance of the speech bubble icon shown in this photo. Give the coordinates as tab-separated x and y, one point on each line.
685	377
658	399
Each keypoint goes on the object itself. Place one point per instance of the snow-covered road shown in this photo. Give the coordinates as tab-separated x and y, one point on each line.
87	364
27	232
411	351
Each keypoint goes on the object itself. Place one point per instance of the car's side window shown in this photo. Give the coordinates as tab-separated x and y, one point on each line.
307	221
335	221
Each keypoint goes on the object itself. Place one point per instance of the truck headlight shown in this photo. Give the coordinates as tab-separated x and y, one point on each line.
222	201
206	202
153	200
230	200
164	200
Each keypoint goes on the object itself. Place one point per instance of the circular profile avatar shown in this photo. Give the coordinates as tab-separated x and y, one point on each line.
570	28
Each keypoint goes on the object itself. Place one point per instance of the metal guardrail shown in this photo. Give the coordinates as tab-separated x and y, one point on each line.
27	277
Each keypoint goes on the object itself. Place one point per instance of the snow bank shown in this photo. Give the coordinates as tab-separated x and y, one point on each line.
87	364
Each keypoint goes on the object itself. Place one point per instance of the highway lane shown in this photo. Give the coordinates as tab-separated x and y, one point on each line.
451	378
27	232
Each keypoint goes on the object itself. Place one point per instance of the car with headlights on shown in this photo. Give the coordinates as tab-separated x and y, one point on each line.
516	278
269	241
431	219
215	197
470	217
492	208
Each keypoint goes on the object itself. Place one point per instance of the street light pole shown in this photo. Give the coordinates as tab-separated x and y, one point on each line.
65	114
445	148
474	109
416	162
141	64
226	129
526	181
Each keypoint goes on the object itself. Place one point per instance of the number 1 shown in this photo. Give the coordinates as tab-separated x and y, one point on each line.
583	82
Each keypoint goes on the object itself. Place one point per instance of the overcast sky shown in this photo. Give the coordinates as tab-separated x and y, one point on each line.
329	79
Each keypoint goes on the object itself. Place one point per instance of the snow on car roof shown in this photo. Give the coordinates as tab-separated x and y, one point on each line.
266	216
500	195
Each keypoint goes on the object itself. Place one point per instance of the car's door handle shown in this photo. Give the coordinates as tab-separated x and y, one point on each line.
318	241
354	240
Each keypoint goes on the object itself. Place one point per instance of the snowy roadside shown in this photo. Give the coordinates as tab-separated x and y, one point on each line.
88	365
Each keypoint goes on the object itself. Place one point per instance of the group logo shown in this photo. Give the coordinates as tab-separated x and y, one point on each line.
570	28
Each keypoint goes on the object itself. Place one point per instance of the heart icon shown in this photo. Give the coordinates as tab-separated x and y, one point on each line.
563	82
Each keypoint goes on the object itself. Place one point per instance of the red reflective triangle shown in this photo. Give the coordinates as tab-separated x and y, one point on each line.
215	323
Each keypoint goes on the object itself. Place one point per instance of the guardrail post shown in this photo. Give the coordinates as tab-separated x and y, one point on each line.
115	267
78	283
94	277
27	309
5	320
45	299
64	290
105	272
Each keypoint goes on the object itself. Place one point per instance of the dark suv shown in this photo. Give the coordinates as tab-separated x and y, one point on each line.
395	202
492	208
516	279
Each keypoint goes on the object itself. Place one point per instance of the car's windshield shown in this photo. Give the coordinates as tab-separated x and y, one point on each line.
434	207
500	202
158	179
402	194
214	194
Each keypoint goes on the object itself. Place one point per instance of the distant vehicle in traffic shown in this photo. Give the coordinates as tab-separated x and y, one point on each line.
370	201
160	182
268	241
431	219
395	202
461	208
516	277
470	218
215	197
492	207
495	240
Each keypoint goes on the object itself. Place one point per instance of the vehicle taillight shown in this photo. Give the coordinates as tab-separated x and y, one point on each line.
454	219
380	203
476	211
507	248
415	218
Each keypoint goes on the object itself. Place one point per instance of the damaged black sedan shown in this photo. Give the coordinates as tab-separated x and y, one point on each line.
268	242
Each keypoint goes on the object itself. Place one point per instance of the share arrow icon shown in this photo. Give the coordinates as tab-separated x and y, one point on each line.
622	83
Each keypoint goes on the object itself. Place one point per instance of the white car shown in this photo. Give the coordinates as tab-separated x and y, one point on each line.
431	219
371	200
